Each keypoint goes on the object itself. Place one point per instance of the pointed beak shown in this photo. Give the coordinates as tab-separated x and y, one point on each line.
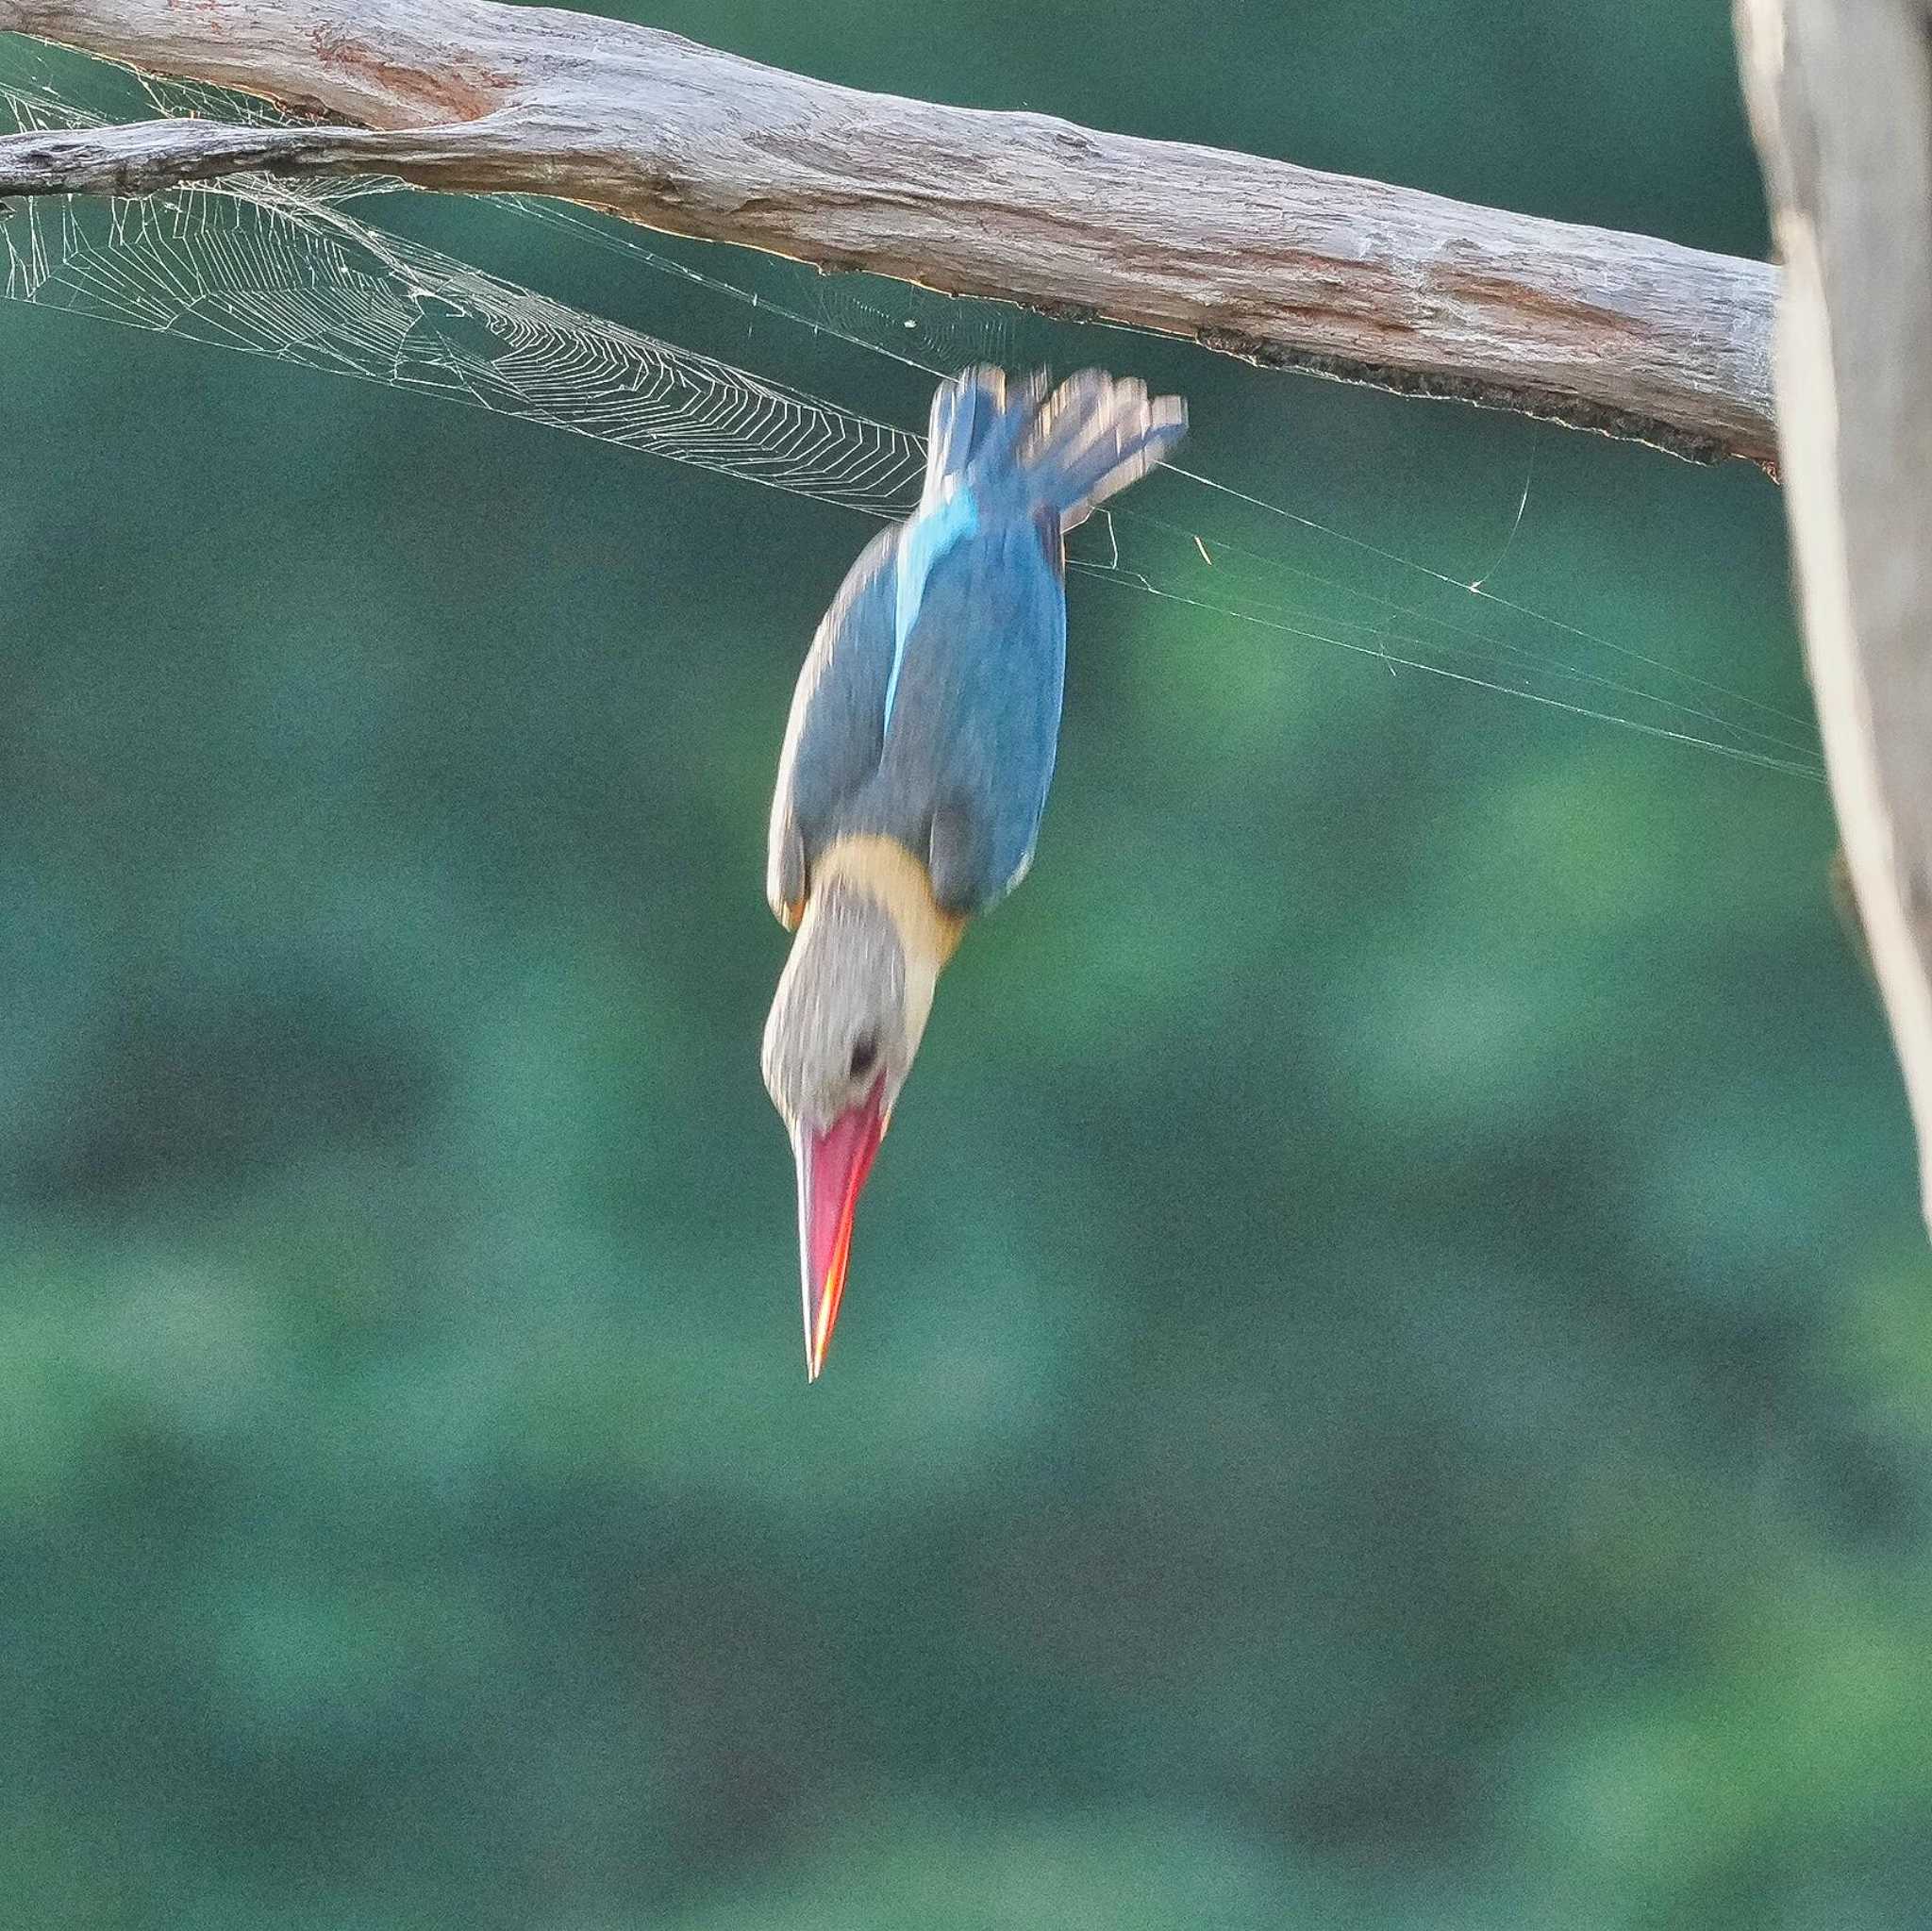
832	1167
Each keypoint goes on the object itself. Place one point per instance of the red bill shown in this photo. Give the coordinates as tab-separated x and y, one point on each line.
832	1166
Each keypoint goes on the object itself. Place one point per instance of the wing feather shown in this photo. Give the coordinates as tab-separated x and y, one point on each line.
833	738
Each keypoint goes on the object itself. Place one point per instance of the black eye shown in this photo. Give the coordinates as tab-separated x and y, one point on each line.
865	1055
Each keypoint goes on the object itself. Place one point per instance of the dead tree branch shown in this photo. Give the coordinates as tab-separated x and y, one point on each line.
1255	258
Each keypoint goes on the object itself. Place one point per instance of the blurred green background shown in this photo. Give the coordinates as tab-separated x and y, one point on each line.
1384	1377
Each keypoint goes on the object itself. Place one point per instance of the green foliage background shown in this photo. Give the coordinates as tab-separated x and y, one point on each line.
1385	1377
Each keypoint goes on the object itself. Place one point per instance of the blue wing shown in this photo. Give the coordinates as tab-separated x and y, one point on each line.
832	742
976	715
929	709
960	776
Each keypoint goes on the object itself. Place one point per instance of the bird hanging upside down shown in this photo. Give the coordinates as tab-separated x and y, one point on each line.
917	761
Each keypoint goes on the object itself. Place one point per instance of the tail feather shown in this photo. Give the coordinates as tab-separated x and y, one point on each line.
962	411
1067	451
1017	411
1097	435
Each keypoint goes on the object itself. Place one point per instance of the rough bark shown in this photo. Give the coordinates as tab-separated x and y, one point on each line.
1840	93
1257	258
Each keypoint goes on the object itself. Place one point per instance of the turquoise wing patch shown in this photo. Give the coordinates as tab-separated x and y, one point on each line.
925	541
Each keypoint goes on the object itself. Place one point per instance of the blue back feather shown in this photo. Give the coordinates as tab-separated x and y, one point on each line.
929	706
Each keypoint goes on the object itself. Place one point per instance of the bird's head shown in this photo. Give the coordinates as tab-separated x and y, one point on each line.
844	1026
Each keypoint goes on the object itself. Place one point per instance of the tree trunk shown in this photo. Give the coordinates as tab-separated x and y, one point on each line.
1840	94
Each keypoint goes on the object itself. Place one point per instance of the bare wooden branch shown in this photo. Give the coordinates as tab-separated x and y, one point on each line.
1840	93
1257	258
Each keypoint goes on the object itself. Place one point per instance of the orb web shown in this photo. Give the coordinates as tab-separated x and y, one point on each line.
320	275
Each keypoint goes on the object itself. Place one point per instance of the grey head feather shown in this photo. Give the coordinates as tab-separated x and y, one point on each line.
840	1017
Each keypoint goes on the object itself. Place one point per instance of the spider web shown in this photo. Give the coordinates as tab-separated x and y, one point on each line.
307	274
295	273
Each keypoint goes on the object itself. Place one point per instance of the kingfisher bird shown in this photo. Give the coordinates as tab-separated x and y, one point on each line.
916	761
